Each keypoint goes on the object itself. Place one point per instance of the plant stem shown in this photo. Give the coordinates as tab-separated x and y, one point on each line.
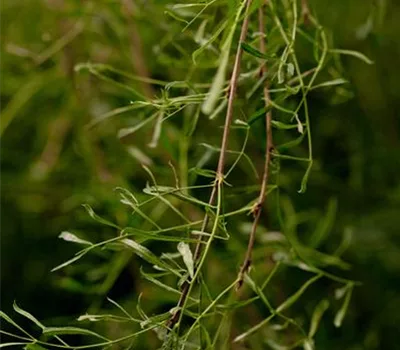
257	209
221	163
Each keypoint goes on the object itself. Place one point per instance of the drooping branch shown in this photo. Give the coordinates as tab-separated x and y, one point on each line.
257	209
221	163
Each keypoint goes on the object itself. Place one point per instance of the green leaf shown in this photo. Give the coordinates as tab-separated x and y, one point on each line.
52	331
316	317
291	144
258	114
293	298
342	312
254	52
6	345
308	344
70	237
28	316
334	82
325	224
10	320
68	262
356	54
97	218
159	283
284	126
155	320
147	255
106	317
187	256
34	346
203	172
218	83
209	41
320	259
144	236
304	180
159	190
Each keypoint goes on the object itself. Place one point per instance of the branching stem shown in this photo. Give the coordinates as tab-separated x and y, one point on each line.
257	210
221	163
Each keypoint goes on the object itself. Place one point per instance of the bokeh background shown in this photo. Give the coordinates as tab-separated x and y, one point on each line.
51	162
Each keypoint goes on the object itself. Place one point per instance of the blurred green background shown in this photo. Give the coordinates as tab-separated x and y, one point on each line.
51	162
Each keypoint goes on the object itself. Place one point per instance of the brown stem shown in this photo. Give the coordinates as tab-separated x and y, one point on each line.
257	209
221	162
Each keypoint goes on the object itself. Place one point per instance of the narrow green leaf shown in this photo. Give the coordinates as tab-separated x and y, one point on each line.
144	236
325	224
28	316
318	258
316	317
159	283
203	172
237	304
175	16
6	345
356	54
304	180
308	344
51	331
157	130
68	262
97	218
93	69
130	130
293	298
284	126
291	144
258	114
10	320
219	78
253	329
209	41
187	256
254	52
334	82
342	312
147	255
97	318
70	237
157	190
34	346
117	111
157	320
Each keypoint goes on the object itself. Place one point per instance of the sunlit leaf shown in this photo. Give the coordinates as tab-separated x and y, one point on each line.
187	256
70	237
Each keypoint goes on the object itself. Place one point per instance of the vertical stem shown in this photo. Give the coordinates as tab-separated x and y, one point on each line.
221	162
257	210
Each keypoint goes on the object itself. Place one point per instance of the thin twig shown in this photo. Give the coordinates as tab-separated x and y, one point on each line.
257	209
221	162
